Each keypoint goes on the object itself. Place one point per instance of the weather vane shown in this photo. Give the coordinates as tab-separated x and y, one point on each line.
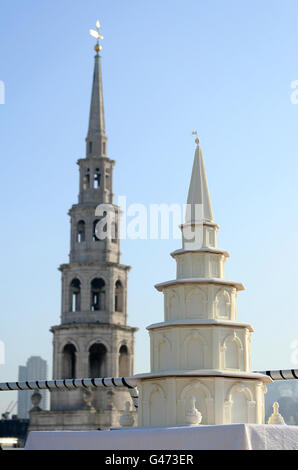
95	33
197	141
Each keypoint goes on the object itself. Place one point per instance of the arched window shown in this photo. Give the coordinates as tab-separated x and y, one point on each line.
97	178
118	297
103	228
97	294
97	361
107	181
95	239
69	362
124	369
114	234
75	295
86	179
80	231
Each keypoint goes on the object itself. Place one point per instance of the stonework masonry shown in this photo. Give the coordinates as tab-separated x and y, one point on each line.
93	338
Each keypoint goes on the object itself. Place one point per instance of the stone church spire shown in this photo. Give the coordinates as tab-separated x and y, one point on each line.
96	140
93	338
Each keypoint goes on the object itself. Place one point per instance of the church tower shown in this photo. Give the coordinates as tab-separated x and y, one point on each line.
93	338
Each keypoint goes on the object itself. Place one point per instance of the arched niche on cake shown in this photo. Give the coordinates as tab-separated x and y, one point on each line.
155	398
204	401
163	352
172	304
231	353
196	301
223	304
239	406
195	351
215	267
180	266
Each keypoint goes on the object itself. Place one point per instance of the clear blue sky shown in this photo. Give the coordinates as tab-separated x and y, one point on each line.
223	68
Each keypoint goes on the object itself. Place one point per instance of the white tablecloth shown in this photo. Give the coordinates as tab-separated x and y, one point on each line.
233	436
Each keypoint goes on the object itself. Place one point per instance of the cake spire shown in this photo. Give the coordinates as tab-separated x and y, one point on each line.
198	193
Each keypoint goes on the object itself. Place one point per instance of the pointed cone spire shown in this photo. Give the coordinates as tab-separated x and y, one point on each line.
96	138
198	200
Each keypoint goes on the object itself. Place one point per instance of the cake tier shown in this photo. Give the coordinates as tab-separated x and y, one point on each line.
199	234
199	298
191	345
203	263
175	400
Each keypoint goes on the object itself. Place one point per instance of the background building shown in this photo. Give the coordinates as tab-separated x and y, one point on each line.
35	369
13	432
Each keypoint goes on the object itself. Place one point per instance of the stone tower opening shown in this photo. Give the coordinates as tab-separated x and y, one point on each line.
124	369
69	362
118	297
80	231
97	360
75	295
98	294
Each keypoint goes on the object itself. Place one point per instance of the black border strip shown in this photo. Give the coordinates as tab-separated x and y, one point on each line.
9	387
37	385
73	382
27	383
103	382
294	375
282	375
17	384
48	387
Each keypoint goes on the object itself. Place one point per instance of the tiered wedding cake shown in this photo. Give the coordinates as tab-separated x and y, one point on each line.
200	354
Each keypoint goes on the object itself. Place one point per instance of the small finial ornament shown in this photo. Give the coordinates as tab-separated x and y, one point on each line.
192	416
95	34
197	141
276	417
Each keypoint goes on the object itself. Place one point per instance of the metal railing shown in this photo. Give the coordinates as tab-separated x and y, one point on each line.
113	382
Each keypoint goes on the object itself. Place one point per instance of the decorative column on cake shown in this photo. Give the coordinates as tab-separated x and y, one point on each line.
200	353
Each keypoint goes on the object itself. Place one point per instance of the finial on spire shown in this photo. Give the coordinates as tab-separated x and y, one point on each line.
96	138
95	33
197	141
